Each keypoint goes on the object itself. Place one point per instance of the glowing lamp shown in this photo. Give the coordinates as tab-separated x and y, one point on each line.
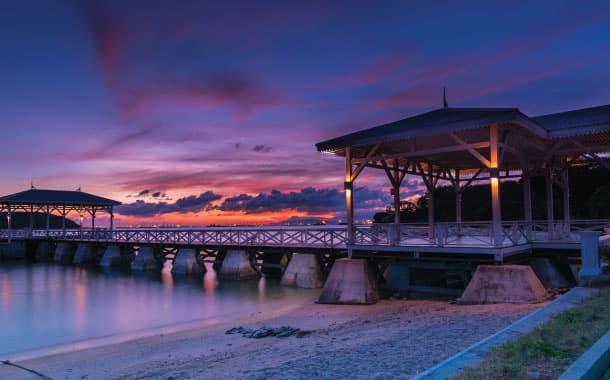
347	185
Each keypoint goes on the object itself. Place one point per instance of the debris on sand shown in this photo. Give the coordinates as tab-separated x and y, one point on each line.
263	332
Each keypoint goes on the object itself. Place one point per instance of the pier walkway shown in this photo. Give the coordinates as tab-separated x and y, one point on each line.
408	239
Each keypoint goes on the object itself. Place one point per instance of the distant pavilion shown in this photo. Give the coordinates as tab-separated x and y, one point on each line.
463	145
59	201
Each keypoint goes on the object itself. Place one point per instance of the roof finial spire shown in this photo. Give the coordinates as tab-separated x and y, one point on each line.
32	187
445	104
78	188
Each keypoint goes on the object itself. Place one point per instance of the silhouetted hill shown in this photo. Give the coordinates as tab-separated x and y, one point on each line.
22	220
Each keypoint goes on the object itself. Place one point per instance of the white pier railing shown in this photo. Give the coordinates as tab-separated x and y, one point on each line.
458	235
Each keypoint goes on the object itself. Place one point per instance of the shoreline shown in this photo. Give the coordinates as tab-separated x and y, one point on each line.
394	338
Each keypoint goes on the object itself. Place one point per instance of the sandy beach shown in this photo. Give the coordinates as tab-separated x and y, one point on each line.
392	339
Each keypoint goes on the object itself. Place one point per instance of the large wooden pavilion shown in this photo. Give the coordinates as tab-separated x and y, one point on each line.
466	145
59	201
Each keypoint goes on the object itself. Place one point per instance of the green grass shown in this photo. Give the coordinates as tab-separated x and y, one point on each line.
552	347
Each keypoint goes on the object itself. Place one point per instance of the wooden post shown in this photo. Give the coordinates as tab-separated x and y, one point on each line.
396	194
566	202
527	202
31	221
349	201
63	221
431	232
10	224
93	220
458	202
111	219
549	202
48	220
496	211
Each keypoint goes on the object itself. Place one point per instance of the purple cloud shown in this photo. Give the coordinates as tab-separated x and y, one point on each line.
184	205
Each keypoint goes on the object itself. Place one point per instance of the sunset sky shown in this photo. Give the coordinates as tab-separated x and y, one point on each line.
197	112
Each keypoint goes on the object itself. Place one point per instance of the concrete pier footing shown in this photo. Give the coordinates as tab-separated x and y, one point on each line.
504	284
145	260
64	252
397	277
85	254
12	251
111	257
186	262
303	271
43	250
549	274
351	281
589	253
236	265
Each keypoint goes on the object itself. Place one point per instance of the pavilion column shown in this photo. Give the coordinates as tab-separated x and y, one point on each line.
566	202
527	203
63	221
396	194
9	223
431	233
93	219
31	221
549	202
496	211
349	201
458	202
48	220
111	219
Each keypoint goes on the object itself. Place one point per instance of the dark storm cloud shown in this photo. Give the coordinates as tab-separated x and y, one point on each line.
143	193
184	205
262	148
307	200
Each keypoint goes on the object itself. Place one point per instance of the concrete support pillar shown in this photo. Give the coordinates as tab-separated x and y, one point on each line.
43	250
504	284
549	274
64	252
186	262
85	254
397	277
549	203
303	271
589	253
351	281
236	265
111	257
13	251
527	203
145	260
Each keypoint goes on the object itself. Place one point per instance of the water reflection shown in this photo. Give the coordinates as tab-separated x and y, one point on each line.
48	304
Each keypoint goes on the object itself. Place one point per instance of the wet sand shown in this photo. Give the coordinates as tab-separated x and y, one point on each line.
392	339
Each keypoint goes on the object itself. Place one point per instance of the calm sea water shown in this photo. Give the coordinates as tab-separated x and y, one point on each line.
46	304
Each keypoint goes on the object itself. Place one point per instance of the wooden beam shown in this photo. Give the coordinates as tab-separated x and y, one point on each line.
362	164
427	152
470	149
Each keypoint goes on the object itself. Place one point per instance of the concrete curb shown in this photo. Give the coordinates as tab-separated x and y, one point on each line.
471	357
592	364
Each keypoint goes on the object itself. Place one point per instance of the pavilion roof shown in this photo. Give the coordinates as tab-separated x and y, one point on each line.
593	120
577	122
430	123
56	197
